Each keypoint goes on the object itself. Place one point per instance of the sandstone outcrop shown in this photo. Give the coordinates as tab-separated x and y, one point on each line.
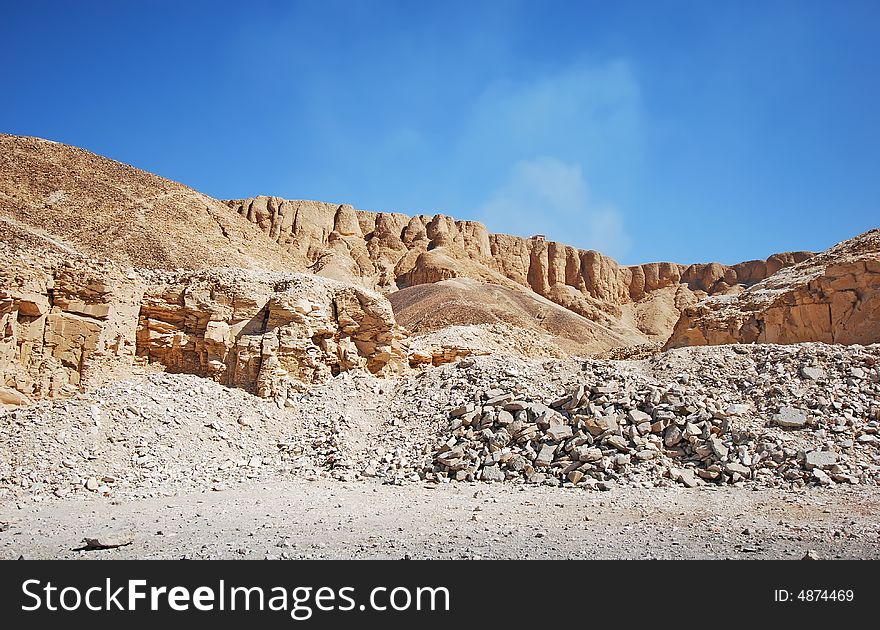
65	323
833	297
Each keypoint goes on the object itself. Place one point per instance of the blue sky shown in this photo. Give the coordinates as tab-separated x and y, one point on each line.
651	130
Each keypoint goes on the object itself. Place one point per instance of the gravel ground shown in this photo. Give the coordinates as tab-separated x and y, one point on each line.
366	519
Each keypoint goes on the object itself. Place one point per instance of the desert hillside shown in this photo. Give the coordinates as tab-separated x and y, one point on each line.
431	307
95	284
69	198
108	268
157	342
104	209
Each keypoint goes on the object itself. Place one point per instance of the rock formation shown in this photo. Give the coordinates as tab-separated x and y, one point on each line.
157	342
68	323
390	251
98	208
107	269
833	297
264	332
80	324
64	321
86	295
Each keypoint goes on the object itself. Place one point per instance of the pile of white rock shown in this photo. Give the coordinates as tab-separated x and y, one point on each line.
626	426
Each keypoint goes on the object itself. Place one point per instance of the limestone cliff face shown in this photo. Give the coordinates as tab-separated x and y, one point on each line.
84	241
81	203
65	328
75	324
833	297
264	332
388	251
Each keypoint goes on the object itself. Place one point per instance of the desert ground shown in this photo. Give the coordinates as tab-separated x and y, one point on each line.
359	520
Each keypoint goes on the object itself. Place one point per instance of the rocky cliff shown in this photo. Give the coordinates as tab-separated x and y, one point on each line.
106	268
98	208
265	332
64	320
92	286
390	251
68	323
833	297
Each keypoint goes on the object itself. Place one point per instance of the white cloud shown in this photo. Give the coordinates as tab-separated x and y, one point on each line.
585	113
550	196
582	118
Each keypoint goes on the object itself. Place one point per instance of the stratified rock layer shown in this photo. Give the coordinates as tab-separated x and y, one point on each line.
63	326
73	324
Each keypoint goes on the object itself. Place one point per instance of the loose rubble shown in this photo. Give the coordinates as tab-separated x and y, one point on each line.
732	415
692	416
159	435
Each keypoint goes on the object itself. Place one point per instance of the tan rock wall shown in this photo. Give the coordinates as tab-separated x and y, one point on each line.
387	251
260	332
70	332
832	298
78	325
